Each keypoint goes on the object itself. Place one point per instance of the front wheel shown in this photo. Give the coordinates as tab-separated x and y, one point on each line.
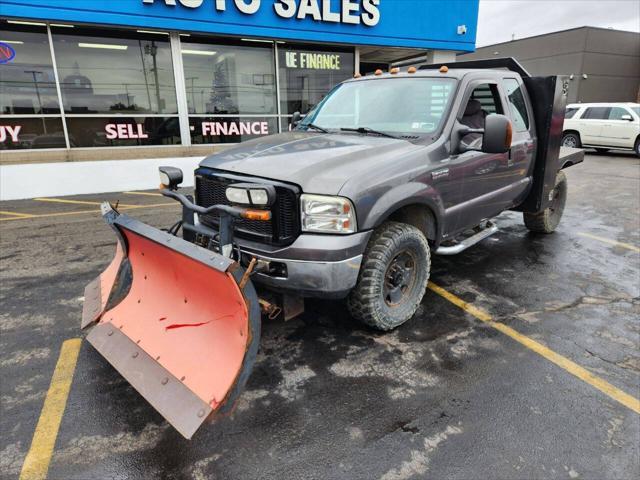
548	220
393	277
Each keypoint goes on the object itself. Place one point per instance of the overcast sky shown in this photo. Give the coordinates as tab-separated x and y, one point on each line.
500	19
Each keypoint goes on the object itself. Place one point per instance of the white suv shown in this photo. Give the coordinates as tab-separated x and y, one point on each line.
603	126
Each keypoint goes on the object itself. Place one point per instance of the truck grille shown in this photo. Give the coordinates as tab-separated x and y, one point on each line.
282	229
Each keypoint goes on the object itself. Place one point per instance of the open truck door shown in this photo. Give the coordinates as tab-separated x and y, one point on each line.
181	323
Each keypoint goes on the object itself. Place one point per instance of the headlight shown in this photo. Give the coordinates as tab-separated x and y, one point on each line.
324	214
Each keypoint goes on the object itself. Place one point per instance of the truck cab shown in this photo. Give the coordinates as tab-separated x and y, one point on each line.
434	152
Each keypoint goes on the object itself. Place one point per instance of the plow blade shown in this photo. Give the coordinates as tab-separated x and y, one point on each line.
176	320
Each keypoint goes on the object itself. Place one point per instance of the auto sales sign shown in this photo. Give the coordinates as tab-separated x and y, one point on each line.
433	24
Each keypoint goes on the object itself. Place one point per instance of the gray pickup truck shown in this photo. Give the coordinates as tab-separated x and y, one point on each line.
351	203
387	169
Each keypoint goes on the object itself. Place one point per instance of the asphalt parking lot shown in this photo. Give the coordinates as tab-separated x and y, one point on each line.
523	361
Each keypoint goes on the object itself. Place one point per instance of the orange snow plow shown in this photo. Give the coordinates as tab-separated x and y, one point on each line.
180	322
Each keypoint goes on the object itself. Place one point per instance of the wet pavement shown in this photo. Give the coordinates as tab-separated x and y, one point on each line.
444	396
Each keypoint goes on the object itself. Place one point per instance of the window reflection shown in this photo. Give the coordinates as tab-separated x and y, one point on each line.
27	83
114	72
229	78
307	74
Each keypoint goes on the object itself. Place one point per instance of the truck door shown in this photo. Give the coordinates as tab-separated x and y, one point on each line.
591	124
488	179
619	131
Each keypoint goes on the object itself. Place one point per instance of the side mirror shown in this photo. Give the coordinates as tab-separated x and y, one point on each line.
295	119
498	134
627	117
170	177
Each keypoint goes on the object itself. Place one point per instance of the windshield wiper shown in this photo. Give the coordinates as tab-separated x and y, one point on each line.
315	127
366	130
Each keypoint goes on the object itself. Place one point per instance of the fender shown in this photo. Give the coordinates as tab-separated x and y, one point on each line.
400	196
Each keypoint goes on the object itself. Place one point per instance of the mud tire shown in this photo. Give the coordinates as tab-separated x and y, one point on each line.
369	301
548	220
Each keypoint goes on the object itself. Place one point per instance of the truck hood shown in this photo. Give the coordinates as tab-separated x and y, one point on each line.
317	162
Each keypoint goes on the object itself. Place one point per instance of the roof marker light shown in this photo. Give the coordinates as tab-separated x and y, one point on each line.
378	72
444	69
394	71
357	75
412	70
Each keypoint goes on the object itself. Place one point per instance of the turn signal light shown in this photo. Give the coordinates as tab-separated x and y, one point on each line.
260	215
509	136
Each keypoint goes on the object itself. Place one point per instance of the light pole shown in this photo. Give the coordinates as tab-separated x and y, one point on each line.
35	74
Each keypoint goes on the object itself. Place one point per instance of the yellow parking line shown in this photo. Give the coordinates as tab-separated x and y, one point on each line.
628	246
81	212
144	193
18	215
75	202
36	463
569	366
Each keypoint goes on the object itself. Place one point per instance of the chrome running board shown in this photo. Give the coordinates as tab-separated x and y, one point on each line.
489	230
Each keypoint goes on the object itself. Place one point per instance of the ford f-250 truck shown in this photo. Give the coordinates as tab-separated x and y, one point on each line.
388	169
385	171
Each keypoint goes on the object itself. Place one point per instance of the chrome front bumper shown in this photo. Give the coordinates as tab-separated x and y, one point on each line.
306	278
324	266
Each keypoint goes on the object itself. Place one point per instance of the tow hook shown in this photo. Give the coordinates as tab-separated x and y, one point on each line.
271	310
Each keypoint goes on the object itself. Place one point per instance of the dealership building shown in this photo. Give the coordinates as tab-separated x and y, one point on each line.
603	64
135	83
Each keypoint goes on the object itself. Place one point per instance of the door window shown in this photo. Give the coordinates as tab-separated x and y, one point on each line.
616	113
596	113
517	104
485	99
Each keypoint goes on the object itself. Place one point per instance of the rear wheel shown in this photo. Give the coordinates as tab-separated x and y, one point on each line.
393	277
548	220
637	147
571	140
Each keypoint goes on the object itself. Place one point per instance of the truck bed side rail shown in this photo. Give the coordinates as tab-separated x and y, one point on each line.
508	63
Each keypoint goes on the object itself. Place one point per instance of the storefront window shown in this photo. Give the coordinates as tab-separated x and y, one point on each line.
230	129
31	132
27	82
123	131
111	71
230	77
307	74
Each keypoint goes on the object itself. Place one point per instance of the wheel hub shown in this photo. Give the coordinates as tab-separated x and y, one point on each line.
399	278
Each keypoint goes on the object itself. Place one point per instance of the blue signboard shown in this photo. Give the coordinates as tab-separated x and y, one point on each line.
438	24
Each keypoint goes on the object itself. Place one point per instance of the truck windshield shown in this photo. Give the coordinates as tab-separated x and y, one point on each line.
400	105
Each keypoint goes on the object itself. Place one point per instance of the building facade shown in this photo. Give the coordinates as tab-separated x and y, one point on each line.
168	76
603	64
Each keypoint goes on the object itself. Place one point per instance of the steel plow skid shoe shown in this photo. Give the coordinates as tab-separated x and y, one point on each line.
179	322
